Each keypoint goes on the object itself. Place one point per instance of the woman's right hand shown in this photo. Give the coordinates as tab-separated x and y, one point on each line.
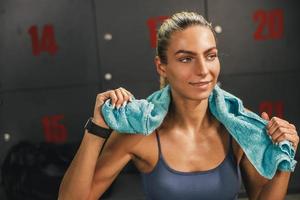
119	97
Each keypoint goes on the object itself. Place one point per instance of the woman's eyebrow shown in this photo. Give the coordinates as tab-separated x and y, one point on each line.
185	51
193	53
208	50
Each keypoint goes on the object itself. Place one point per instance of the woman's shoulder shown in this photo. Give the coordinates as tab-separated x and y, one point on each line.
128	142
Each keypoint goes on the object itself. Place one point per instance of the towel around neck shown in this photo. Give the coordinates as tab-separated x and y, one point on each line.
248	129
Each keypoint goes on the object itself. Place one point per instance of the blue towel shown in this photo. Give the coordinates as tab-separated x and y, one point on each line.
247	128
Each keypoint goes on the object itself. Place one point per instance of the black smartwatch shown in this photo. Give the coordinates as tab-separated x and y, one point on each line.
97	130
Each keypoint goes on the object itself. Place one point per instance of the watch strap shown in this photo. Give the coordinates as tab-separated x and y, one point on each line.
96	129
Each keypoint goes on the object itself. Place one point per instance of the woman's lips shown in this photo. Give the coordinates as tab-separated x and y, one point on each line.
201	85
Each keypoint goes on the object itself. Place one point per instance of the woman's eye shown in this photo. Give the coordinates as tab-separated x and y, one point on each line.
185	60
211	56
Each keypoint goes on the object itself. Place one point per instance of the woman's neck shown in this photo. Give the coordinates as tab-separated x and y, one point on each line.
189	115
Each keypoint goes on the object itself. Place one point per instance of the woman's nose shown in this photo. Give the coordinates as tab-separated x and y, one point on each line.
201	68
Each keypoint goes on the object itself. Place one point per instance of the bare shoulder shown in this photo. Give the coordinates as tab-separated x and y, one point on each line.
115	154
126	142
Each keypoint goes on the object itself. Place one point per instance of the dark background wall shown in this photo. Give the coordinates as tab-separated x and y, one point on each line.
55	56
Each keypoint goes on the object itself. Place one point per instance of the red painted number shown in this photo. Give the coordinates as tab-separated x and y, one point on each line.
47	42
270	24
54	131
272	108
152	26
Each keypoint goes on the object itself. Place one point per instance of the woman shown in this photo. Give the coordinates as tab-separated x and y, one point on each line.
191	155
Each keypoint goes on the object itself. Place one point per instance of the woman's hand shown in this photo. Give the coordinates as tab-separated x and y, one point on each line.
280	130
119	97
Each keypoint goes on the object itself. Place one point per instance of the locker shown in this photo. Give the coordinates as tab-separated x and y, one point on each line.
257	36
124	40
55	56
47	43
278	90
55	116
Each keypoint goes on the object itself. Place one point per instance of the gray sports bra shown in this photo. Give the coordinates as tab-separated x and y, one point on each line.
222	182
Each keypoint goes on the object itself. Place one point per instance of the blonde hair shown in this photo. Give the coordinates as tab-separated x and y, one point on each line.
163	82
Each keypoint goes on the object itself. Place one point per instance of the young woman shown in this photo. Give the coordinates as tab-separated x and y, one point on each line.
191	155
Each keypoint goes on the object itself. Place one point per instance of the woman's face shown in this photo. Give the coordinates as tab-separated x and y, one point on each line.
193	65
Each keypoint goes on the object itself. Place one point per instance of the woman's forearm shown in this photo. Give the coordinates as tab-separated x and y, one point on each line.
76	183
276	188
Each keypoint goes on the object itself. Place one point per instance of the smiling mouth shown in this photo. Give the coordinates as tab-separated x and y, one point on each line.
200	83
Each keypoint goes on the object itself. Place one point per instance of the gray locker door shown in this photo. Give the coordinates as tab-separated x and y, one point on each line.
54	89
70	24
126	53
53	115
275	89
257	36
258	44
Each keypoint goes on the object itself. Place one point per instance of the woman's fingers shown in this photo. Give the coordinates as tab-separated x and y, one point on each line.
290	137
113	96
280	130
129	94
120	97
275	123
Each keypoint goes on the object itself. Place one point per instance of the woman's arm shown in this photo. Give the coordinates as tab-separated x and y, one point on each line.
252	180
260	188
76	183
279	130
257	186
89	174
277	187
117	152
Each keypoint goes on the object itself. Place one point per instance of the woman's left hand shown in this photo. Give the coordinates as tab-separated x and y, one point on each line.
280	130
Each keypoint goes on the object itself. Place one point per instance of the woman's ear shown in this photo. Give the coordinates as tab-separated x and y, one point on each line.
160	67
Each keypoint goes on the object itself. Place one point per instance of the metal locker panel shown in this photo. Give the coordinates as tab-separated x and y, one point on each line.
65	110
124	41
279	90
272	87
70	22
251	39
